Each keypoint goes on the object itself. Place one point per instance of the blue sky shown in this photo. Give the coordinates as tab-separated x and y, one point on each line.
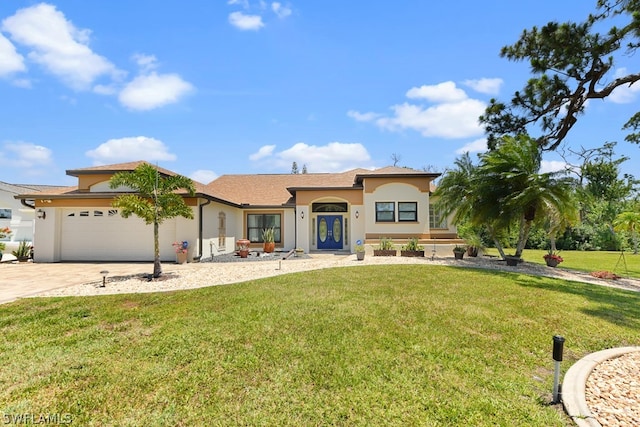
207	88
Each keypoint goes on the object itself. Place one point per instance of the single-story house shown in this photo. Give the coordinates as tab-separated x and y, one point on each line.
314	212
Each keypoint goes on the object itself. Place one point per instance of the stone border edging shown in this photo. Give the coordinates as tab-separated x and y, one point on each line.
574	385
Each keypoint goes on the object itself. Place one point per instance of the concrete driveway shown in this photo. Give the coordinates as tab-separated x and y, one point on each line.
19	280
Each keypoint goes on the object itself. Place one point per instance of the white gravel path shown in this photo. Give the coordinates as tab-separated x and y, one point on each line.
198	275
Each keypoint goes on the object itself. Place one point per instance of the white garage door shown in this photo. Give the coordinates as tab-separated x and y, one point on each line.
101	234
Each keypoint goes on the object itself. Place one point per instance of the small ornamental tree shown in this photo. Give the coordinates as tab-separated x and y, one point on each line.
154	199
629	221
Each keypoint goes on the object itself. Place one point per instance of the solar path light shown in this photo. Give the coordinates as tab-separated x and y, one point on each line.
558	347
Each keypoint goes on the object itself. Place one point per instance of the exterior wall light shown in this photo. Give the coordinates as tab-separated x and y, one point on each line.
302	214
41	214
357	214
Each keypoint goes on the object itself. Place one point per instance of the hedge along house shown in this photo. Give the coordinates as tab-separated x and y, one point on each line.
323	212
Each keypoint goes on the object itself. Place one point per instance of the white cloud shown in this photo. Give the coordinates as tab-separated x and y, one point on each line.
147	92
552	166
243	3
146	63
280	10
130	149
264	151
362	117
449	120
454	114
476	146
442	92
58	46
245	22
487	86
624	94
106	89
10	60
25	155
204	176
333	157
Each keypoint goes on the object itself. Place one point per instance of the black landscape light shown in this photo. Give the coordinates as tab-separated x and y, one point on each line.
104	278
558	348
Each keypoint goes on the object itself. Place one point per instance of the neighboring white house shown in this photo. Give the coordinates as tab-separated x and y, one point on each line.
328	211
17	214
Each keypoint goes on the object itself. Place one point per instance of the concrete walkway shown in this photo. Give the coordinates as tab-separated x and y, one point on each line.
19	280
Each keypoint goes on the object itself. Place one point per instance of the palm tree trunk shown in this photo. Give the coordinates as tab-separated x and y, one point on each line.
523	235
496	241
157	267
552	243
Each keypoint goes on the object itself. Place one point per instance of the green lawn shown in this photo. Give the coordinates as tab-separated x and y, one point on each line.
377	345
624	265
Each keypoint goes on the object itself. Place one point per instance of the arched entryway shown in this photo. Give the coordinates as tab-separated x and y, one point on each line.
330	220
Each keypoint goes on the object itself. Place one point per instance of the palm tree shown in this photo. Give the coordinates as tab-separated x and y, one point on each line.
506	186
630	221
459	194
155	199
455	194
511	178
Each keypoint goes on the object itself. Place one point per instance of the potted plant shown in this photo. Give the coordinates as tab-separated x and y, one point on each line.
512	260
23	253
359	248
243	247
474	245
386	248
458	252
181	249
552	259
4	233
412	248
268	239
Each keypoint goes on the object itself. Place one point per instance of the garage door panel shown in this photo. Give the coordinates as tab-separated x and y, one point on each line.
103	235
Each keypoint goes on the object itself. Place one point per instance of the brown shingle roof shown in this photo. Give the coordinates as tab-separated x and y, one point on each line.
254	190
117	167
274	189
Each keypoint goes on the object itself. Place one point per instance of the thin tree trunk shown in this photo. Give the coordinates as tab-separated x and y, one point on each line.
157	267
552	242
523	235
496	241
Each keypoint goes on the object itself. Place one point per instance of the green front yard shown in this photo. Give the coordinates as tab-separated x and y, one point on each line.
377	345
623	264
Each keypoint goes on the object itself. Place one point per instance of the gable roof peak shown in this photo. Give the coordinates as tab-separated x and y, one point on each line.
117	167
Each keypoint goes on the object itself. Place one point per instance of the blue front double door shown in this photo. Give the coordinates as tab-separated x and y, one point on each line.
329	232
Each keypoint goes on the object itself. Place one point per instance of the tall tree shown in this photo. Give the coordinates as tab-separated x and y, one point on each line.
154	200
294	168
505	187
572	63
458	195
510	176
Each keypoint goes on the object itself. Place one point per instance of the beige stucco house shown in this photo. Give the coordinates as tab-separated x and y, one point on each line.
315	212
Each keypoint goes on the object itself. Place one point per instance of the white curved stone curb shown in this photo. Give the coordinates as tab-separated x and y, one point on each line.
574	384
